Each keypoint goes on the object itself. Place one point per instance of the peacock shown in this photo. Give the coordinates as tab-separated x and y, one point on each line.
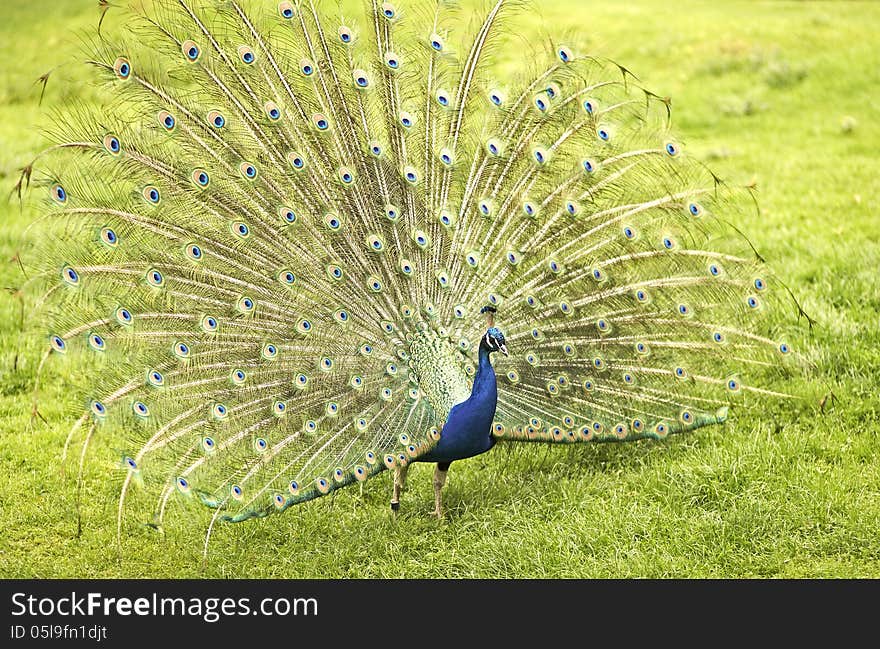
297	245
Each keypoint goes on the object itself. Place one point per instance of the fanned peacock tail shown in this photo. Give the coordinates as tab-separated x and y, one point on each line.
267	252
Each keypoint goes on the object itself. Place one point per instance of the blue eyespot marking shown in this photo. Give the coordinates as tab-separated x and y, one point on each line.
122	68
59	194
671	149
70	276
111	143
200	177
151	194
108	236
286	10
191	50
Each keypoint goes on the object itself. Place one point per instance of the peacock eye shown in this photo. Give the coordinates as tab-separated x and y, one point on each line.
216	119
436	42
191	50
111	143
272	111
246	54
345	34
286	10
122	68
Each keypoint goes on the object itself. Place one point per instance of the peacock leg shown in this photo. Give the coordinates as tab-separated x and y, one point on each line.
399	484
439	480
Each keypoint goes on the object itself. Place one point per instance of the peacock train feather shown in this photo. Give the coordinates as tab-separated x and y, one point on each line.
266	254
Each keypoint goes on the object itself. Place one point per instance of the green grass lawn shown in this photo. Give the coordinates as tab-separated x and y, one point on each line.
780	93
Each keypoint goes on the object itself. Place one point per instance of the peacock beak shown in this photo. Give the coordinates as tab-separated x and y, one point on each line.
503	349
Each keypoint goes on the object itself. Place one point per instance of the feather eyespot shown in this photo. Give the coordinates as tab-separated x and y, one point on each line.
287	215
333	222
59	194
287	277
406	119
346	175
540	156
436	42
334	272
246	54
306	67
320	121
240	229
216	119
392	61
411	175
151	194
96	342
565	54
248	170
166	120
123	316
122	68
296	161
191	50
671	149
201	178
389	10
155	378
361	79
155	278
286	10
109	237
272	111
245	304
345	34
180	349
111	143
140	409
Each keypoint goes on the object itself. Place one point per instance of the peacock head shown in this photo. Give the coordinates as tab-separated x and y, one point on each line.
493	341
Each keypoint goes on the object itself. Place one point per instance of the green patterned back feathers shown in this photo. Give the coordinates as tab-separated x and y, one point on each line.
263	257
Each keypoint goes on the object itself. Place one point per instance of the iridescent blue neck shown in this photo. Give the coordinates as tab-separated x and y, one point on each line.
485	389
